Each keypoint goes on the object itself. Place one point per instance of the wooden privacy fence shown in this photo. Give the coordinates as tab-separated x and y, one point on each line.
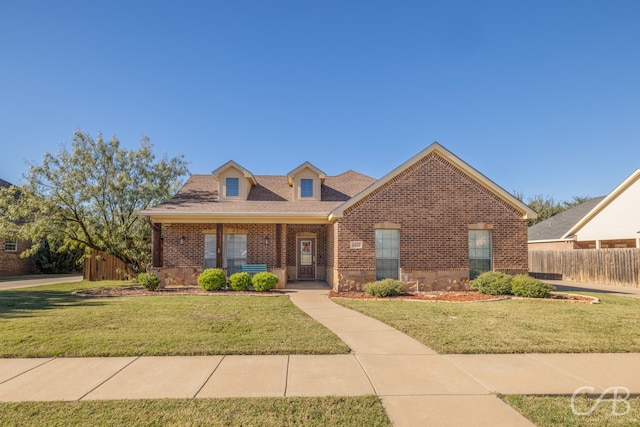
100	266
605	266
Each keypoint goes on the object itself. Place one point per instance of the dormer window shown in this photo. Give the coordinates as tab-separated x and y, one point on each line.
234	181
306	182
232	187
306	187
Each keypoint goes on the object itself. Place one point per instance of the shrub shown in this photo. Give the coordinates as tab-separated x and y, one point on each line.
264	281
240	281
212	279
149	280
384	288
492	283
529	287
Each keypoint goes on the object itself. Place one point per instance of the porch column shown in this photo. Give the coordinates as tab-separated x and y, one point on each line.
278	245
219	247
156	245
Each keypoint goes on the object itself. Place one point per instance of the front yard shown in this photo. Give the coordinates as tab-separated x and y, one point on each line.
513	326
50	321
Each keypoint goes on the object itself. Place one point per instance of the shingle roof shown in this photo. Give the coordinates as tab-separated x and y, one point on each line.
271	195
557	226
4	183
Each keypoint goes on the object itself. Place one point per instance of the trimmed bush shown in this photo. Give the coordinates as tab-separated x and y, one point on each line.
212	279
384	288
530	287
492	283
240	281
264	281
149	280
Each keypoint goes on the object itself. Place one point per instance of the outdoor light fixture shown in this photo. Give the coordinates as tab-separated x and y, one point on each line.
182	239
266	240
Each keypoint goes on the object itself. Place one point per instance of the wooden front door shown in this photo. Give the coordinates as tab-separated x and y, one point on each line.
306	258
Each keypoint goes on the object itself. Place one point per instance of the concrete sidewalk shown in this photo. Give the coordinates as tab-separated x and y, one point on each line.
30	281
416	385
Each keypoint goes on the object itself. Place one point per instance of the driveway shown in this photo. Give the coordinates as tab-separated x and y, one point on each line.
623	291
31	281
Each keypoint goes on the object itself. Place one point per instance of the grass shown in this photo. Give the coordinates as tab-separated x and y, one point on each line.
323	411
557	411
49	321
513	326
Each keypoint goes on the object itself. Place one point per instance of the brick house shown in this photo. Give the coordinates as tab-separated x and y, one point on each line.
11	264
433	222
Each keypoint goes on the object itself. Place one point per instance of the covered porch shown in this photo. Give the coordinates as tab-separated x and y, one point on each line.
293	252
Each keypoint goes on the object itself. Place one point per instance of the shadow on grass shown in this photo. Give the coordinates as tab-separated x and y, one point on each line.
23	302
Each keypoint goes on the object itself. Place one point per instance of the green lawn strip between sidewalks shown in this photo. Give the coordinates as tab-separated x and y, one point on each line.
552	411
49	321
513	326
289	411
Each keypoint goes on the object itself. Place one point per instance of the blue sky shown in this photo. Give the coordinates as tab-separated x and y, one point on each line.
543	97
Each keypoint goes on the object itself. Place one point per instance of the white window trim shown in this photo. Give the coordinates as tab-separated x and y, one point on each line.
13	242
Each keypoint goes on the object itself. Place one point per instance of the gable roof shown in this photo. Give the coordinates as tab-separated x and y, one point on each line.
635	176
4	183
558	226
527	212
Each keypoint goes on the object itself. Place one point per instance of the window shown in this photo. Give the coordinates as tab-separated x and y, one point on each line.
234	252
233	187
235	249
479	252
306	188
210	251
11	245
387	254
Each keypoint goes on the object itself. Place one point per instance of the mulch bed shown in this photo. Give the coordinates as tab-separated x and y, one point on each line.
131	291
431	296
470	296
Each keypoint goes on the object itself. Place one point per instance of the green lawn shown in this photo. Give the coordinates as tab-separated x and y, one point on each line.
49	321
321	411
546	411
513	326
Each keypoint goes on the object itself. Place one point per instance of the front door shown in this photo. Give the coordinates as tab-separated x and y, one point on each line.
307	258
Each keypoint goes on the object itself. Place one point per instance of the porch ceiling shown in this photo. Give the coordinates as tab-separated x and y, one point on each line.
243	218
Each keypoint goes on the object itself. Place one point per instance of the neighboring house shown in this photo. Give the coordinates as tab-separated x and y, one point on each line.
432	222
611	221
10	249
549	234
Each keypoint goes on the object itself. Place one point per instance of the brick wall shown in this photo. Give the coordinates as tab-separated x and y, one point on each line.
10	262
191	253
434	203
182	263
